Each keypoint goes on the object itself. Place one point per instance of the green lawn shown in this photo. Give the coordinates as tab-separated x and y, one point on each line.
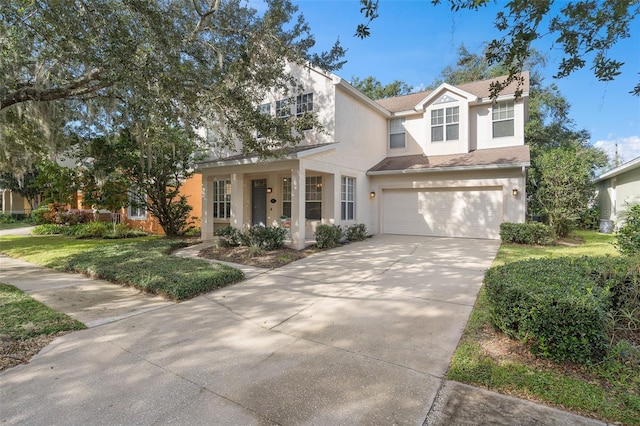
22	317
142	263
608	391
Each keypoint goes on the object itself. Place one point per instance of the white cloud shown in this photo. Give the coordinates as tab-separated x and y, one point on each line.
628	147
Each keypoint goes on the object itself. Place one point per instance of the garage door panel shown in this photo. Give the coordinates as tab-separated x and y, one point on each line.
445	213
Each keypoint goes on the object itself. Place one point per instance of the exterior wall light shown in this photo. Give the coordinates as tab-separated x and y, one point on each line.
515	192
269	190
372	194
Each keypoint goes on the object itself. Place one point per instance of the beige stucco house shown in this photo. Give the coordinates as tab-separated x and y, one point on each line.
617	189
448	162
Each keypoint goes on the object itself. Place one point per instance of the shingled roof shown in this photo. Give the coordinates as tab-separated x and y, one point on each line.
477	88
513	156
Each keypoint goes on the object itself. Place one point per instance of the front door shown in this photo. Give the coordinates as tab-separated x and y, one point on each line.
259	202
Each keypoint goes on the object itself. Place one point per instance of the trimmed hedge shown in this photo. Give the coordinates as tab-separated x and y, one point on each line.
531	233
560	307
264	238
148	266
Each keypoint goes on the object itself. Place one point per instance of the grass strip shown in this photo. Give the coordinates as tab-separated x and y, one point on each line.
23	317
145	264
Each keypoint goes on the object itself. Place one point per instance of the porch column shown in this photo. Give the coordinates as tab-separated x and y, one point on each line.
237	200
207	207
298	223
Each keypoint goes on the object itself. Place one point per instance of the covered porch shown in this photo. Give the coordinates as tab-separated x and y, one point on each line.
294	192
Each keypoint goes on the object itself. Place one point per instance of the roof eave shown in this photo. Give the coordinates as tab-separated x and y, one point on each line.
619	170
256	159
449	169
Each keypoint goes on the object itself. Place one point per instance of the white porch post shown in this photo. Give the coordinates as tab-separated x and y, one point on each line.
298	208
207	207
237	200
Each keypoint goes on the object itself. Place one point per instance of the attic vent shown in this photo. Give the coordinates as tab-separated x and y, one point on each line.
444	99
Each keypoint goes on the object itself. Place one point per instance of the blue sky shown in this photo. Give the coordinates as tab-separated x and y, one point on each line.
413	41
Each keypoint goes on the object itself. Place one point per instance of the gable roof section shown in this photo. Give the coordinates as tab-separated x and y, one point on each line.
626	167
480	89
494	158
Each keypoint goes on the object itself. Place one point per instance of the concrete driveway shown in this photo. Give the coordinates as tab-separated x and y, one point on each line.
362	334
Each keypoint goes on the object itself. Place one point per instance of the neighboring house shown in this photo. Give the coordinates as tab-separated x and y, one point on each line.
617	189
137	216
13	203
447	162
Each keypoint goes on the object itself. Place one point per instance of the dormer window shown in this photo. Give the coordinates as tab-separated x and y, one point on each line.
445	124
396	133
502	117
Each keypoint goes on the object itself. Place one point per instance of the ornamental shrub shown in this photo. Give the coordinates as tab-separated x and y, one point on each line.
559	307
47	229
532	233
264	238
40	215
357	232
589	219
628	236
94	230
328	236
7	218
229	236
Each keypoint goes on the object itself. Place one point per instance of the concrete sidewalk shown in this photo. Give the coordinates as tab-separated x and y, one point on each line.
362	334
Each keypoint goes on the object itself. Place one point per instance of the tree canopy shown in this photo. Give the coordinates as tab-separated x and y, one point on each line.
585	30
374	89
76	69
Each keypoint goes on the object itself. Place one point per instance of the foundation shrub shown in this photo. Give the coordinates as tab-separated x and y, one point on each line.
357	232
328	236
265	238
229	236
531	233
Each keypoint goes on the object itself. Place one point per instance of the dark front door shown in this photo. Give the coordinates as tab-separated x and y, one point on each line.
259	202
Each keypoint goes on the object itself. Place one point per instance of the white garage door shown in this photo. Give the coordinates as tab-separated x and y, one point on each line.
470	213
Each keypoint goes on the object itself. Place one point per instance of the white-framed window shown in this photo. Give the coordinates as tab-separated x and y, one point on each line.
396	133
283	108
304	103
286	197
222	199
313	197
503	119
137	210
348	198
266	110
445	124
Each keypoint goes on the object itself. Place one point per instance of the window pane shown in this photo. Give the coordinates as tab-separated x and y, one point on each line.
437	117
452	132
452	115
350	211
313	210
286	208
503	128
304	103
437	134
396	141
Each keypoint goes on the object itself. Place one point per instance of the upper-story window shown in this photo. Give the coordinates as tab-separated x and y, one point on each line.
266	110
283	108
304	103
445	124
396	133
503	121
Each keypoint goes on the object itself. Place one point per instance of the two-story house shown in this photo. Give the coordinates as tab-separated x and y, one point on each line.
448	162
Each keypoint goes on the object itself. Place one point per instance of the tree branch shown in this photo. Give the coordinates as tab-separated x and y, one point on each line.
88	83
